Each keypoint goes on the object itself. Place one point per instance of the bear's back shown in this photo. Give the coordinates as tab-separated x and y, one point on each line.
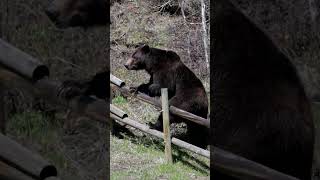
260	109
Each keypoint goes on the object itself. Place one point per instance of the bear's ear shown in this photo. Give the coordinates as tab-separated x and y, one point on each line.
145	48
140	44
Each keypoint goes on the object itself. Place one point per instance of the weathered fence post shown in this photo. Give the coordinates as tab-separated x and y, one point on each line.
166	124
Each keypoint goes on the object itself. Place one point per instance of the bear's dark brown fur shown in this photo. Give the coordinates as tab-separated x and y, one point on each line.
259	107
3	121
185	89
85	13
95	86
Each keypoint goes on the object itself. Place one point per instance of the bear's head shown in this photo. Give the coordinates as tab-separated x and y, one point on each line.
84	13
138	59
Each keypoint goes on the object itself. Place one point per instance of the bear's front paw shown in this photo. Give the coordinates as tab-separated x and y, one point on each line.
133	90
69	89
157	126
154	90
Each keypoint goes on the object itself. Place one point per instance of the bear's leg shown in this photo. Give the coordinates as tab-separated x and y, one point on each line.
143	88
158	125
197	135
154	90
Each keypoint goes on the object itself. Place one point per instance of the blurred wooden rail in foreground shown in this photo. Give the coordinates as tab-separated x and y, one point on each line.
36	75
32	165
20	70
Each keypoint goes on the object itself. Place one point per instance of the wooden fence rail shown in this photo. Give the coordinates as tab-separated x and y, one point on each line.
114	114
174	110
221	160
8	172
36	76
116	81
21	62
24	160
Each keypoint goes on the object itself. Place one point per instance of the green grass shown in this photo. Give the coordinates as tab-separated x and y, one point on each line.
40	130
119	100
144	158
33	125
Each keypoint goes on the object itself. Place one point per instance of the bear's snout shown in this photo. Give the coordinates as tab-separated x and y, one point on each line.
129	63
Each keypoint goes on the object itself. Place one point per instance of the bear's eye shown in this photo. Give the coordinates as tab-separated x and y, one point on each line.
134	55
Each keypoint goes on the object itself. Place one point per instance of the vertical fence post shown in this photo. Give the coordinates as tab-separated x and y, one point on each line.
166	124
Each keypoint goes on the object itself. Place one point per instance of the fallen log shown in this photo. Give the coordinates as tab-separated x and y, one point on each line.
24	160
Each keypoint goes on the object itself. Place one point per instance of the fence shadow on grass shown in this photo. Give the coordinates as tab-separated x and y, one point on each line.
179	155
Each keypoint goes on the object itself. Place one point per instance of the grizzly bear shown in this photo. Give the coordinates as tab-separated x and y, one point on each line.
84	13
259	107
185	90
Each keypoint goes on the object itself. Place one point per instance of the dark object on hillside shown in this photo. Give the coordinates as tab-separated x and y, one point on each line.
96	86
84	13
260	110
184	88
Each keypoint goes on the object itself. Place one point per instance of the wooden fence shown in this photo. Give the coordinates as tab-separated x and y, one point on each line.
221	160
119	115
143	97
19	163
24	161
37	75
